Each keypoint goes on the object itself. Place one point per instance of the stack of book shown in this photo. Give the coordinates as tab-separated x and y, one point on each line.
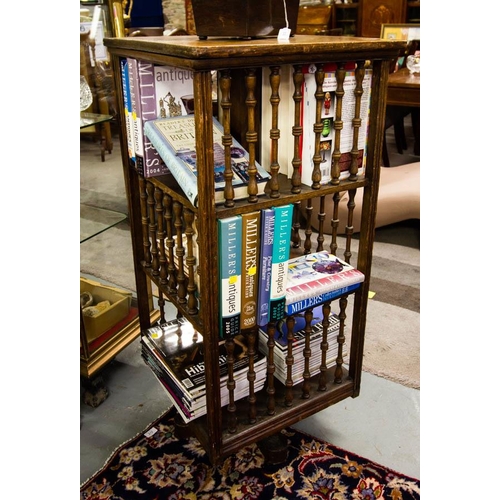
174	352
299	338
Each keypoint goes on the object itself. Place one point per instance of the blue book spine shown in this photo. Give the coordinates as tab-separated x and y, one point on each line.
153	164
127	107
230	253
302	305
281	254
266	256
183	174
136	115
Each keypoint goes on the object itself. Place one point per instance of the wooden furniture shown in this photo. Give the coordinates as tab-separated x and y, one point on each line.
346	17
160	215
314	19
403	90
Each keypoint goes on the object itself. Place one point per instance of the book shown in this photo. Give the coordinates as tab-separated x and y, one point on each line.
296	306
137	131
327	137
318	273
265	267
174	91
174	139
229	242
153	164
250	262
281	254
174	352
127	107
299	336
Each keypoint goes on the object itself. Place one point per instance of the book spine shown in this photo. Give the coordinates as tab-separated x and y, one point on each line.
136	117
266	256
153	164
295	306
183	175
249	268
322	285
281	254
127	107
229	241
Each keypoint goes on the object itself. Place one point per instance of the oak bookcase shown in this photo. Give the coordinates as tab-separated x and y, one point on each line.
166	228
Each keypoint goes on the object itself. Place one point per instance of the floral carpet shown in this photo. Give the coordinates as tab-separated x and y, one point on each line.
156	465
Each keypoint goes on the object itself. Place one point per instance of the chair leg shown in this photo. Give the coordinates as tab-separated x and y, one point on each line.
400	136
385	153
415	123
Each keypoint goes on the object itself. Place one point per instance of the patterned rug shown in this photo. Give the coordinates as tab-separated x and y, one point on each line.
156	465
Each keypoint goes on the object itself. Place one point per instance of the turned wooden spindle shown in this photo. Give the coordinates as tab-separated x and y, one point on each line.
152	228
144	221
161	305
356	121
170	243
192	301
274	133
321	221
271	403
326	309
319	94
251	375
290	324
296	225
338	124
179	252
230	384
160	217
349	228
251	135
298	80
340	341
227	139
308	228
306	385
335	223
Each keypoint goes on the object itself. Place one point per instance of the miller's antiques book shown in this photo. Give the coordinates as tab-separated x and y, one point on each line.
174	139
281	254
230	254
249	268
153	163
318	273
265	265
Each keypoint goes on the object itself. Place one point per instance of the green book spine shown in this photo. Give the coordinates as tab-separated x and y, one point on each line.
281	254
230	252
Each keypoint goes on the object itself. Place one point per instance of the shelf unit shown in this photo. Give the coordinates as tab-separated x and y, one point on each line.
160	213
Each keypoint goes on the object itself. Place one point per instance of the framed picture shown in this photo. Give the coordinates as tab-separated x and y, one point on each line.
400	32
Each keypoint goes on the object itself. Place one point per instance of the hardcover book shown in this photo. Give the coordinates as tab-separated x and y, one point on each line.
137	130
229	241
153	163
127	108
174	139
174	91
249	268
318	273
281	254
327	136
266	257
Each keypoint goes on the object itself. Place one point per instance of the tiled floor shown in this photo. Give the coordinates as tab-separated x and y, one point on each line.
382	424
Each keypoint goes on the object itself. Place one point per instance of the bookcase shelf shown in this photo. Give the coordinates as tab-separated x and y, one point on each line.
160	215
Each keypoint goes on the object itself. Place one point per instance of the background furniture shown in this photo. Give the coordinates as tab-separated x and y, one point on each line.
154	202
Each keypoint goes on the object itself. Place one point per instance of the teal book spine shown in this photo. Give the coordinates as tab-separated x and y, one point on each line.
266	257
230	254
281	254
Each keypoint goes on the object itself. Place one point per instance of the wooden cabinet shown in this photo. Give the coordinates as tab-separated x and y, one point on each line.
160	214
374	13
346	17
314	19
